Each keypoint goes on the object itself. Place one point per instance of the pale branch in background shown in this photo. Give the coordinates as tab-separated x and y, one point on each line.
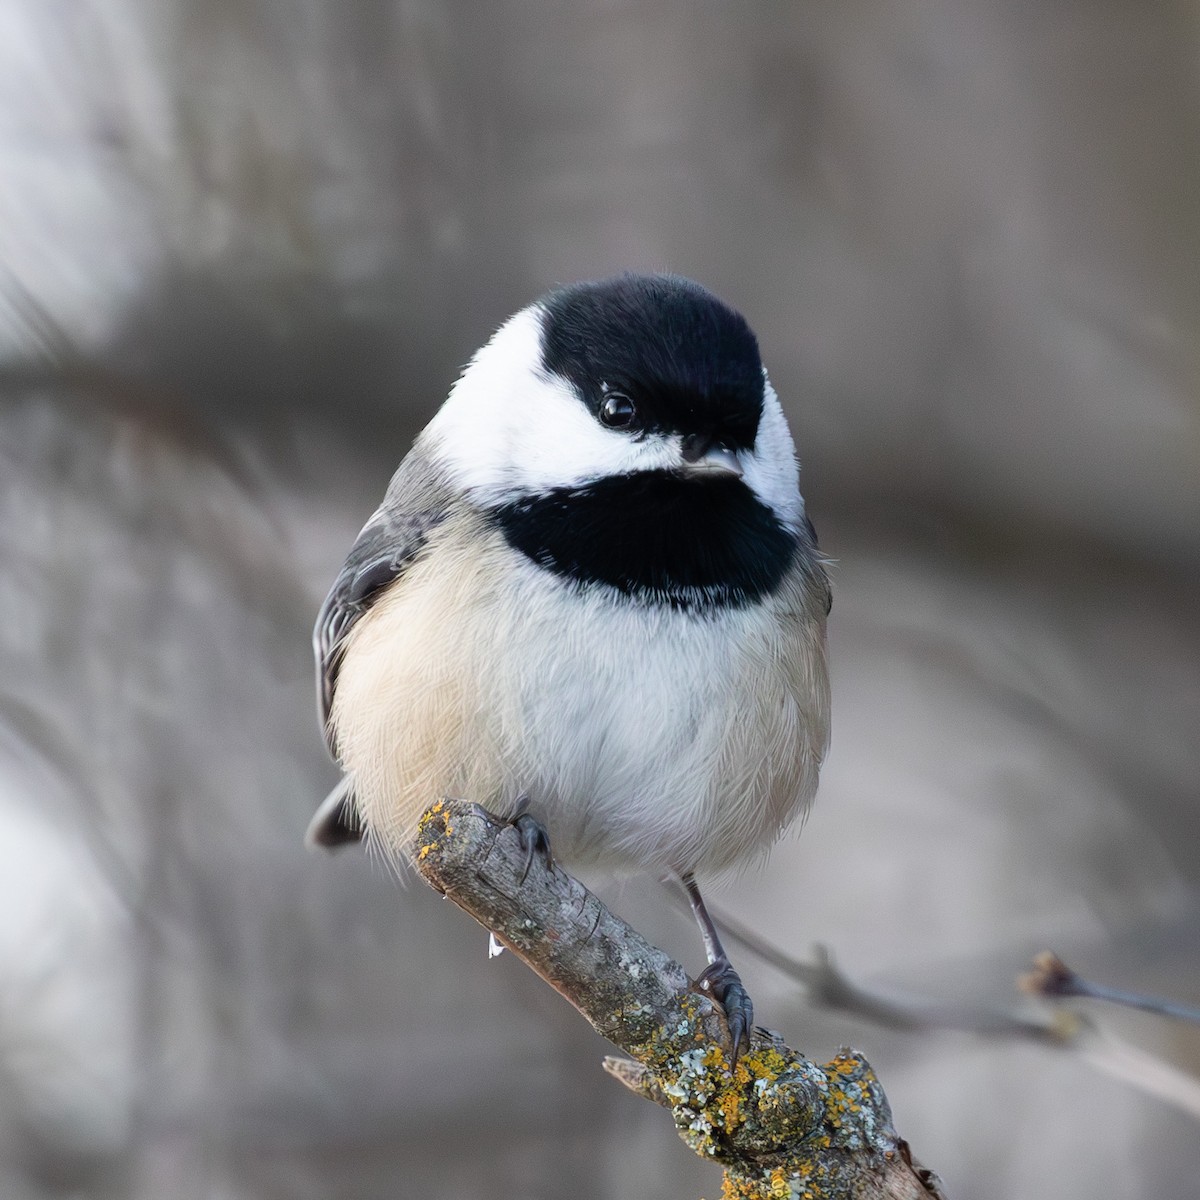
779	1124
827	987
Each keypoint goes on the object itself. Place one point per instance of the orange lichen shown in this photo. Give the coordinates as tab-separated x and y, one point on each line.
426	831
780	1186
766	1063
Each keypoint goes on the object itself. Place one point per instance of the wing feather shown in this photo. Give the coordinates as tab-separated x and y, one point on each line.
417	500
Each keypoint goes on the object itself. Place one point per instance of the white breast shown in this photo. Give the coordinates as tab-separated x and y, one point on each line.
645	737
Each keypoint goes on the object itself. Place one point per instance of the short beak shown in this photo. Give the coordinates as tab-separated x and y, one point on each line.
713	462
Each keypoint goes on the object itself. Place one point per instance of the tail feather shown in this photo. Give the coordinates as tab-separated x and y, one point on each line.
337	822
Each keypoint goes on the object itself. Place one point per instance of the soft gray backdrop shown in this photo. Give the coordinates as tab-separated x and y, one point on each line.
245	246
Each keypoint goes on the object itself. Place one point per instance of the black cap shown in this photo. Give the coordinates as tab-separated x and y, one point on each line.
688	361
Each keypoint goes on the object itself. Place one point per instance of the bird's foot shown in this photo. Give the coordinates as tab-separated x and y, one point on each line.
724	984
534	840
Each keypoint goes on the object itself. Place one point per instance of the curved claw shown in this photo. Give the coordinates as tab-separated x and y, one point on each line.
725	985
534	840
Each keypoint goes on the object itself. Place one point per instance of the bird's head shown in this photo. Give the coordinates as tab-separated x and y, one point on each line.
629	376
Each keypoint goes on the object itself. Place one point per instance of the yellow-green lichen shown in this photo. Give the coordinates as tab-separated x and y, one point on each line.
803	1127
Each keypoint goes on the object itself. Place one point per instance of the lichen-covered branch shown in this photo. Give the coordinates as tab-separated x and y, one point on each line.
780	1125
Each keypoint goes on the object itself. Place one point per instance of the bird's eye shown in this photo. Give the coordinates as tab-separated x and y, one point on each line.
618	411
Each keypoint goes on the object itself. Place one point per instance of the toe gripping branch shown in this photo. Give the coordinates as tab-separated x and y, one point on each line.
534	840
719	978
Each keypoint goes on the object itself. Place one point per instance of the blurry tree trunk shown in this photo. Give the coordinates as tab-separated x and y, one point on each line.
779	1124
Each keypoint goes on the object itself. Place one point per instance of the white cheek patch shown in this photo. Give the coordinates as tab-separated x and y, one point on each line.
771	470
508	428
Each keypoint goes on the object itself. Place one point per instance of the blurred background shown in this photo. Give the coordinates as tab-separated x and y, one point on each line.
245	246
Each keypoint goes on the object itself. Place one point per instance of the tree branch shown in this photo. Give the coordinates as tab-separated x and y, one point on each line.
826	986
780	1125
1052	979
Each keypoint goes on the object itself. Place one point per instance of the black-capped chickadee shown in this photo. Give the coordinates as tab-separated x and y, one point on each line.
591	601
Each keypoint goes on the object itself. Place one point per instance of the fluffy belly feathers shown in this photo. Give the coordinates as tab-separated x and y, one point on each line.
645	737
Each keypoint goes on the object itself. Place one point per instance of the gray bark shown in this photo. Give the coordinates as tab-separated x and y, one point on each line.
780	1124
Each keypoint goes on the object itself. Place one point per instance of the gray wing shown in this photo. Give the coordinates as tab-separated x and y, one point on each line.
417	500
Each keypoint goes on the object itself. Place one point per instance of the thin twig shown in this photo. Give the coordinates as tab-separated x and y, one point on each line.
827	987
1051	978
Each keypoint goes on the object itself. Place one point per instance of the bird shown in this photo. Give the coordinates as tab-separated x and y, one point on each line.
592	601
